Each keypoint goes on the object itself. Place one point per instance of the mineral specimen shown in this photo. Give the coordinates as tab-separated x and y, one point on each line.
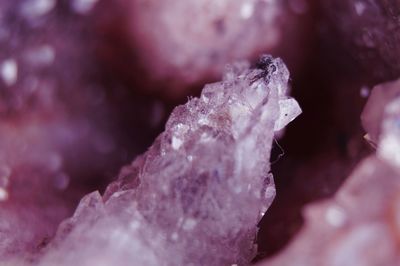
195	197
374	110
360	225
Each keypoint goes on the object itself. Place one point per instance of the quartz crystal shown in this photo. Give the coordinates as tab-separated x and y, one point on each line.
360	225
195	197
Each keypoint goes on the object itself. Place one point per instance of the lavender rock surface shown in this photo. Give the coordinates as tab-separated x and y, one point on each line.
195	197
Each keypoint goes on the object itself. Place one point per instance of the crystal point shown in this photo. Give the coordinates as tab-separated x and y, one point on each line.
195	197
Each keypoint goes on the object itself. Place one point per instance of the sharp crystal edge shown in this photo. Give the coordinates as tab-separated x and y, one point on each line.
196	195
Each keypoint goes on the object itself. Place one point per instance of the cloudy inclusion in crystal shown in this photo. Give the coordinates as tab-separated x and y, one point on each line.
195	197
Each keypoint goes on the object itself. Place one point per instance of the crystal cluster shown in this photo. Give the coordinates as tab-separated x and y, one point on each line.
360	225
85	86
69	118
195	197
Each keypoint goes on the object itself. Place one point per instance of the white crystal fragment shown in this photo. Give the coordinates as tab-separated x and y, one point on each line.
335	216
389	145
9	71
37	8
176	143
3	194
359	7
247	10
289	110
83	6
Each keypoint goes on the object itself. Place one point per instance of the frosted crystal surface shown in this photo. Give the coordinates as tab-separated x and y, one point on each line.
360	225
195	197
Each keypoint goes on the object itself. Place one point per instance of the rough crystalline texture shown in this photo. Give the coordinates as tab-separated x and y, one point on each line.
361	224
195	197
370	29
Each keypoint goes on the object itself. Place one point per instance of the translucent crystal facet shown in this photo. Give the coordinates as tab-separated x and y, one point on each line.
195	197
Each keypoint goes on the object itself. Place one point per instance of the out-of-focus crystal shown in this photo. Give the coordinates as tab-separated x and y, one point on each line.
182	43
61	133
360	224
373	113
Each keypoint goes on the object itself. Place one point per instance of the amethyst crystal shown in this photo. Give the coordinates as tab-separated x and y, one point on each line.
195	197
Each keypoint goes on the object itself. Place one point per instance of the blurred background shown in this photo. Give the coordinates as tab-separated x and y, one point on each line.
86	85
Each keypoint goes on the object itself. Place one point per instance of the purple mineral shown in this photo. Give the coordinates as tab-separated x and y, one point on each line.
195	197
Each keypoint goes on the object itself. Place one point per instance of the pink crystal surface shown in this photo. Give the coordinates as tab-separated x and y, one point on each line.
87	85
195	197
213	36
